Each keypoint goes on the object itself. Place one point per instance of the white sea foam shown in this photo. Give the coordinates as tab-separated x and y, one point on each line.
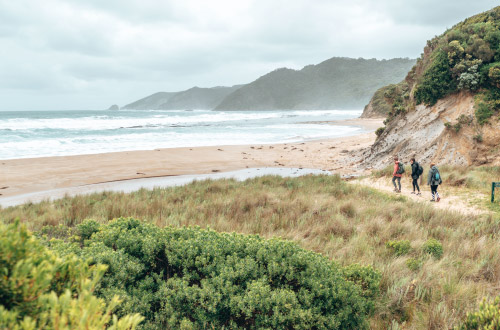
57	133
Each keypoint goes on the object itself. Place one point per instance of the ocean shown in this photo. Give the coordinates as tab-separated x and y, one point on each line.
28	134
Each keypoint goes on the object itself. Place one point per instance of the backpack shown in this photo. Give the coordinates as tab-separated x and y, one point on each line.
401	168
420	169
437	177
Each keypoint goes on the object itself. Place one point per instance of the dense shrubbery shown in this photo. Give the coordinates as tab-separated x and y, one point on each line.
437	81
467	57
195	279
487	317
39	290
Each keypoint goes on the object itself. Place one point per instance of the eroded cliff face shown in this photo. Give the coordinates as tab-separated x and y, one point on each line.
422	134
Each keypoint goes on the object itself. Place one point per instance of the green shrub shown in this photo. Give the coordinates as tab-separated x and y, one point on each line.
196	279
487	317
366	278
87	228
433	247
399	248
414	264
39	290
478	138
483	112
437	81
379	131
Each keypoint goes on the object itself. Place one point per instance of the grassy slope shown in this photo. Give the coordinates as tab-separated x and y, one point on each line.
346	222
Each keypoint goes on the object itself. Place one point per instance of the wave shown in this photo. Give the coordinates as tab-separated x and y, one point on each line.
84	133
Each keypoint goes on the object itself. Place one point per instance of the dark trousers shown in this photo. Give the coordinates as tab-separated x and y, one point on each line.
434	190
398	178
415	184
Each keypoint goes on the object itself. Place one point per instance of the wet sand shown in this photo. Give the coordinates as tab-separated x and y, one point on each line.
25	176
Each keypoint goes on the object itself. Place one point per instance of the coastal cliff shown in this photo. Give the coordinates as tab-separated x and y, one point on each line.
447	108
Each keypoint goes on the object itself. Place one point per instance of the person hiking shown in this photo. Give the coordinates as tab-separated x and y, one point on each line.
399	169
434	180
416	172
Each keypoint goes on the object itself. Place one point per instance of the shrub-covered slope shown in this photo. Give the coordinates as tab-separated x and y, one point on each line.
447	108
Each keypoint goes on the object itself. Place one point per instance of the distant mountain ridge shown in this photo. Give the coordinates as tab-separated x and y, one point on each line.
337	83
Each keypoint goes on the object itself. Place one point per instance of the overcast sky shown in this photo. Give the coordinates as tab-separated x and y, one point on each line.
89	54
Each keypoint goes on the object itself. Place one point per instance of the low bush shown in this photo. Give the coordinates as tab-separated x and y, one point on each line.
483	113
487	317
197	279
478	138
433	247
39	290
379	131
414	264
399	248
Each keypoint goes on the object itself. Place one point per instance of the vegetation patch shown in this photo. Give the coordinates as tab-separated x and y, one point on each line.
345	222
433	247
40	290
399	248
199	279
486	317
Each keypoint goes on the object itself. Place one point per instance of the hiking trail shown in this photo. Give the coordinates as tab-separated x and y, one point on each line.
449	200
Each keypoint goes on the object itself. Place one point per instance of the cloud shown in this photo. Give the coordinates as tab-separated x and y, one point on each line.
92	53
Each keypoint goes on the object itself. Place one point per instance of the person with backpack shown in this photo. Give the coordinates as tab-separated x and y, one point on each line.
399	169
416	172
434	180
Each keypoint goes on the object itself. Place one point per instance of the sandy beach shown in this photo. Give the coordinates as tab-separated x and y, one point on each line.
22	176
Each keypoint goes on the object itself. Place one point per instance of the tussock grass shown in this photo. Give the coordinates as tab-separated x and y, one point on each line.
346	222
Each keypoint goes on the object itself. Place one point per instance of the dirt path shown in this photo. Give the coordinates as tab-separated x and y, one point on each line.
449	201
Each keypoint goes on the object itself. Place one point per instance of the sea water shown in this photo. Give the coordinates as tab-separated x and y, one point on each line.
26	134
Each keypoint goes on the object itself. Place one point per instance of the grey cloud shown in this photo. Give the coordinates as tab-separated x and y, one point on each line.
92	53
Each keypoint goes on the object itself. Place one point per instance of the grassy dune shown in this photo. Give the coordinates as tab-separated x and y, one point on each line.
346	222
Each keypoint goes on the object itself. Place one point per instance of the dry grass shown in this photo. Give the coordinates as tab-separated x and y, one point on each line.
348	223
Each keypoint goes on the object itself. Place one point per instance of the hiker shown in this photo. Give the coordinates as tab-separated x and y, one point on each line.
434	180
416	172
399	169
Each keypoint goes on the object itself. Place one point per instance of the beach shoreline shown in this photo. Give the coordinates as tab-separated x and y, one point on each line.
29	175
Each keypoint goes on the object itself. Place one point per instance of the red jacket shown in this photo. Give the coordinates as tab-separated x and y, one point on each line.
395	173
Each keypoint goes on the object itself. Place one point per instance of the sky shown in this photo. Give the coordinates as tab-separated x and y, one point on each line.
90	54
